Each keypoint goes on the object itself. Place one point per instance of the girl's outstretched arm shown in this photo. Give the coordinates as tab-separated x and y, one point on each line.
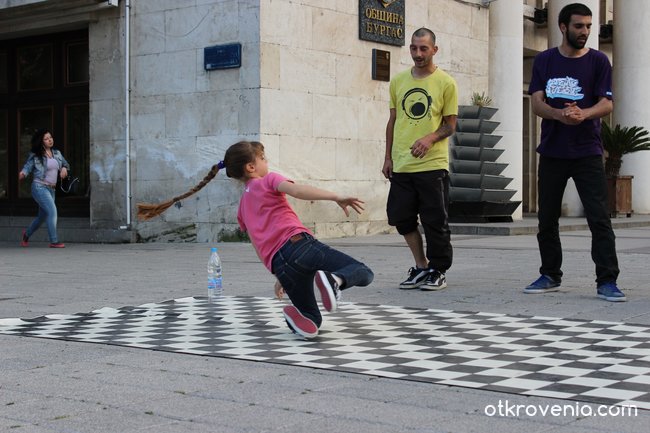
306	192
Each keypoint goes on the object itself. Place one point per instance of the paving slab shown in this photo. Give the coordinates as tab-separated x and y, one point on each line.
50	385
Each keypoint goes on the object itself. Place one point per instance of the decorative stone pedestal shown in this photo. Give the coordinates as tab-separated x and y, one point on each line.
477	189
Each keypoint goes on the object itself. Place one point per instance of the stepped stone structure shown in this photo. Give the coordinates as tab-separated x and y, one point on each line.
478	190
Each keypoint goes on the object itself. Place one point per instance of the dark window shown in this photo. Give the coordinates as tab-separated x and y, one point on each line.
3	72
35	67
77	63
4	155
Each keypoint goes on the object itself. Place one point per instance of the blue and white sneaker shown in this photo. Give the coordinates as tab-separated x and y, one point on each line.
543	284
609	292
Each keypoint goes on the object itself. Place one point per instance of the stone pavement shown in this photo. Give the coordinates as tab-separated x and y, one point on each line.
59	386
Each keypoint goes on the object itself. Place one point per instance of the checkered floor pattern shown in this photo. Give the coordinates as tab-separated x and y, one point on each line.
584	360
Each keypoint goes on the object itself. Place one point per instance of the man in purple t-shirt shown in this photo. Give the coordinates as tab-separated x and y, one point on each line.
571	91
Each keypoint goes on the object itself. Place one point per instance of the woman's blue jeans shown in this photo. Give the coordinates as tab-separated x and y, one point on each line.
44	196
296	263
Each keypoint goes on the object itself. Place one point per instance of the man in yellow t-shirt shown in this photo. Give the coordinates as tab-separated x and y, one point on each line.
423	110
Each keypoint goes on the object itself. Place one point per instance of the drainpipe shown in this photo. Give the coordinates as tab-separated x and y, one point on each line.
127	112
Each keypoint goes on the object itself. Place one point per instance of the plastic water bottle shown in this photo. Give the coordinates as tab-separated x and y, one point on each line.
215	282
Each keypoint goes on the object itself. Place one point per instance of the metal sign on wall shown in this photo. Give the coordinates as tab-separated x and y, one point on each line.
382	21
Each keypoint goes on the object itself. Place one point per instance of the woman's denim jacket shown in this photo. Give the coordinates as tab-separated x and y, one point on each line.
39	165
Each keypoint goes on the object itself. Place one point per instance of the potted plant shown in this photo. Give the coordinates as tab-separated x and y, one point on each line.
479	107
481	99
619	141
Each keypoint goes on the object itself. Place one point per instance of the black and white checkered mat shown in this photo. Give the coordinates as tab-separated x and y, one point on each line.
591	361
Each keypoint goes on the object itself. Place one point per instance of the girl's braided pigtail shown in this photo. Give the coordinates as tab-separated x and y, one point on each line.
147	211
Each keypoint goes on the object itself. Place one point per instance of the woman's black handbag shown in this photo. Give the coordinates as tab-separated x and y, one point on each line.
70	184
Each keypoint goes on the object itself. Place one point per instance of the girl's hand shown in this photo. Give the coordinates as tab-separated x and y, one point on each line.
21	175
64	173
279	290
353	202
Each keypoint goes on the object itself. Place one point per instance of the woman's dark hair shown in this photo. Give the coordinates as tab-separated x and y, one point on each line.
235	160
37	141
572	9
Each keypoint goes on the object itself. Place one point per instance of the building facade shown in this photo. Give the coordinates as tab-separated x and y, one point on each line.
142	114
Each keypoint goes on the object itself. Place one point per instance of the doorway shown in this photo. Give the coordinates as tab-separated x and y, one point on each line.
44	84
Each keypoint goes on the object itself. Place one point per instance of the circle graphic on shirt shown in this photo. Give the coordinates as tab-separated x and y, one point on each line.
416	103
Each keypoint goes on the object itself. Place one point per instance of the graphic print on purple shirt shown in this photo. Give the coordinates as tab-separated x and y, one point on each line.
567	88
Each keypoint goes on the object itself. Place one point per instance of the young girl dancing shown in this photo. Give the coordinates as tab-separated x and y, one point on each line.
286	247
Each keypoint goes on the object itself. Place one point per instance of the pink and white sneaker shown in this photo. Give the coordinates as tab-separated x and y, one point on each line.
299	323
329	289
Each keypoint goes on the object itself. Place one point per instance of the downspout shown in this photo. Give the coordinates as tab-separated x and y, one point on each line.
127	111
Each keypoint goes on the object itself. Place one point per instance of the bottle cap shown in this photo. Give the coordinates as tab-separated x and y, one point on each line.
213	249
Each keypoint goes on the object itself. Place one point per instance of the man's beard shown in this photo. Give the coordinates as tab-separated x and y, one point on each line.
575	42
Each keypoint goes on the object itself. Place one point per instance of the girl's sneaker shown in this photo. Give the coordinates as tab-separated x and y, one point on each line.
57	245
299	323
24	241
328	288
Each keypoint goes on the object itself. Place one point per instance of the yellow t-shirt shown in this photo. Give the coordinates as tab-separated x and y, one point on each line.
420	105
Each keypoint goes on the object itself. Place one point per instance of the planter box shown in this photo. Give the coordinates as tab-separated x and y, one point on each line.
619	196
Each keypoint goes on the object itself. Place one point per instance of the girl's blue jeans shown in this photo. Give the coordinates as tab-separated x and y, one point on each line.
44	196
296	263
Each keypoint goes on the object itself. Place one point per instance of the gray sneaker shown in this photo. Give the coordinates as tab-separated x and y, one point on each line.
436	280
415	278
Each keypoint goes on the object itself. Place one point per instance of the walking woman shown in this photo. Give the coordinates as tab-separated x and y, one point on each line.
46	164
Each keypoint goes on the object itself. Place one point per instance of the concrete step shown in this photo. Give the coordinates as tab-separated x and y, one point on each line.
73	230
78	230
528	225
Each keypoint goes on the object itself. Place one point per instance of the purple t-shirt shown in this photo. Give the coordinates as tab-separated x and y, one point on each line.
582	80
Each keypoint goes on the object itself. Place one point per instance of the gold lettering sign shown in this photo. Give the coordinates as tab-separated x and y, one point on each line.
382	21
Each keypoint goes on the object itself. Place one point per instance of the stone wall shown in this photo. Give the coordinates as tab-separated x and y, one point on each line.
323	118
182	116
304	89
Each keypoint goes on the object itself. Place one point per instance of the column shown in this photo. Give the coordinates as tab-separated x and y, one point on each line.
571	204
631	89
505	83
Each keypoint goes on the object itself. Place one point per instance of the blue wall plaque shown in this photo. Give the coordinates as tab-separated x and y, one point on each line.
222	57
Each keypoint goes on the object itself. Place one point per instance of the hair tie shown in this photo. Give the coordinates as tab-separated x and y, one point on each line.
221	165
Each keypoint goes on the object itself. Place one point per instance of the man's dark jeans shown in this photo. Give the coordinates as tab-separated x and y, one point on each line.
589	176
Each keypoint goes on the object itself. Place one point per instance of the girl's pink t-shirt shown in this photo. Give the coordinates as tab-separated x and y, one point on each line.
266	215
